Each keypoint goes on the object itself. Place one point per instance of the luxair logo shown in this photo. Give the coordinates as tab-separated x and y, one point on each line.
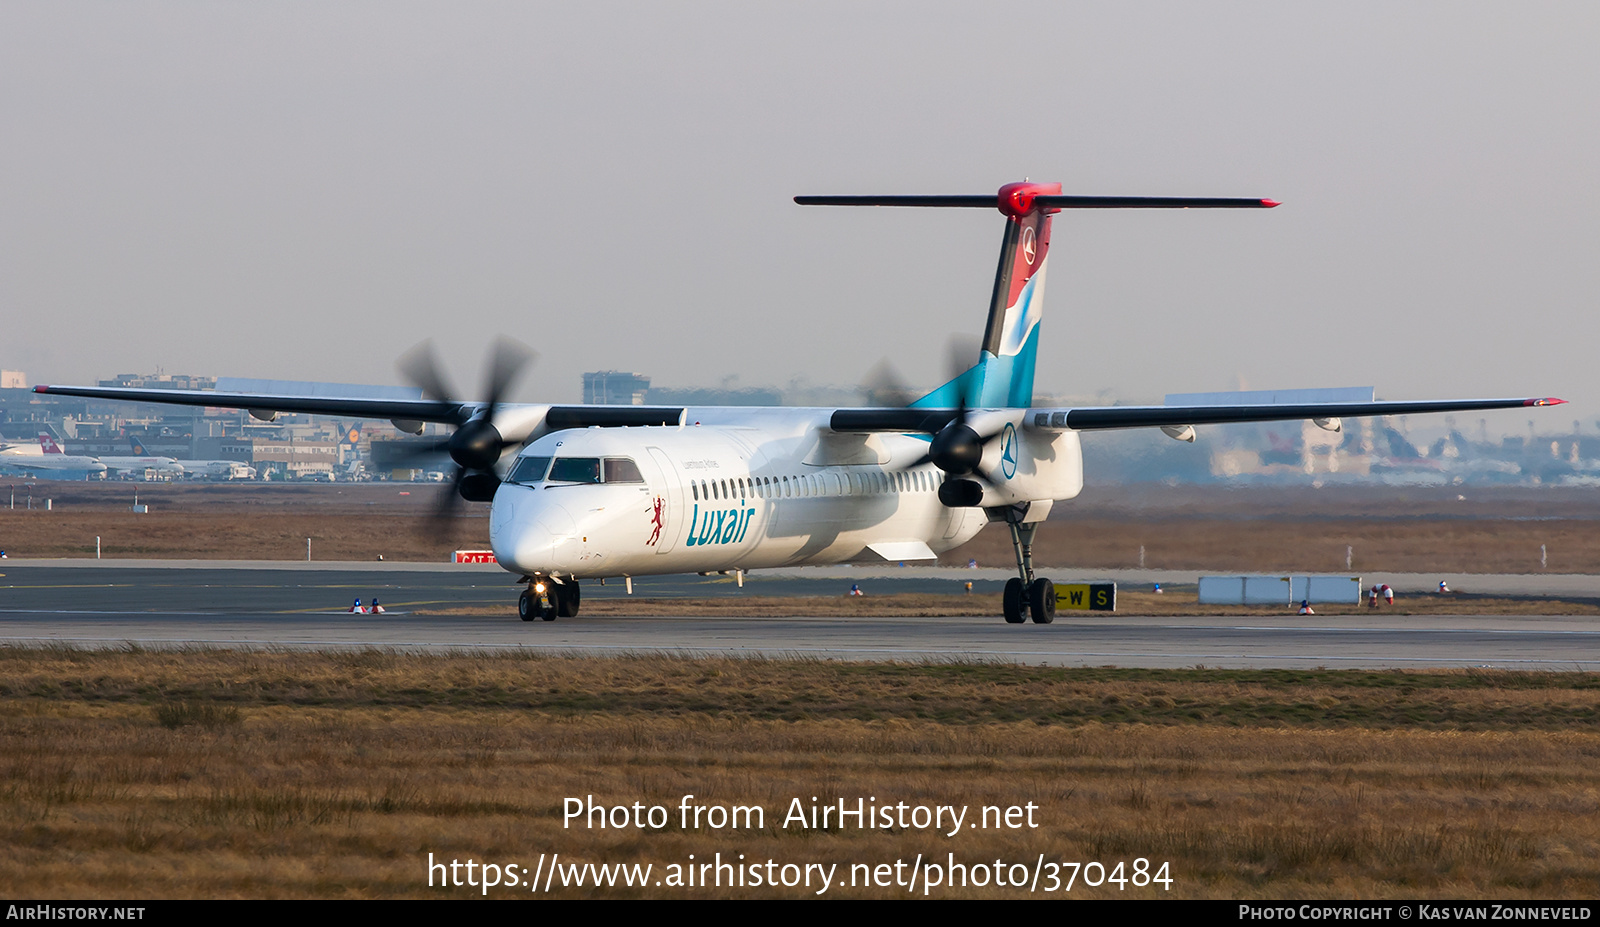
724	526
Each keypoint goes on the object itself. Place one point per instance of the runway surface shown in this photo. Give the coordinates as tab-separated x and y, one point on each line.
114	603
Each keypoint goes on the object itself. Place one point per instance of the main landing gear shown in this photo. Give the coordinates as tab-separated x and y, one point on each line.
549	599
1026	597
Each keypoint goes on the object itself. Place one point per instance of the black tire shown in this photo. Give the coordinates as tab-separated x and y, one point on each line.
567	599
1012	602
527	606
1042	601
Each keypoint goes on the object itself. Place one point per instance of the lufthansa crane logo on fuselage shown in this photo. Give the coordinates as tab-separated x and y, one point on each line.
1008	452
1030	245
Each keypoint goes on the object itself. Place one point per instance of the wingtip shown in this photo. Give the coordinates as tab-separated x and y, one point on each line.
1547	401
41	389
1270	203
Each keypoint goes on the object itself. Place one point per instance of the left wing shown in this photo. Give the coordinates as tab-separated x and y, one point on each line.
1101	418
1177	416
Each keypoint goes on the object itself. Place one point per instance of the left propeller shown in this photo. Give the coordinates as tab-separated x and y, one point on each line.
476	445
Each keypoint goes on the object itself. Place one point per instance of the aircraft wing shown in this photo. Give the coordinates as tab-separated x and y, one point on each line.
1101	418
403	410
416	410
1176	416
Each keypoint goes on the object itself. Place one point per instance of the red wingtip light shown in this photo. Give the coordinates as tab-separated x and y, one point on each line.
1270	203
41	389
1547	401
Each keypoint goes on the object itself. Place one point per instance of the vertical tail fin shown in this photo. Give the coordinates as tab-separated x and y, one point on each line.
138	447
48	444
1003	374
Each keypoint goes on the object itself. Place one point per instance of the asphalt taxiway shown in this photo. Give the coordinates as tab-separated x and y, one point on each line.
286	604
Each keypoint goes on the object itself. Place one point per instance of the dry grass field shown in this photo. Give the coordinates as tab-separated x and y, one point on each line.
1305	530
223	774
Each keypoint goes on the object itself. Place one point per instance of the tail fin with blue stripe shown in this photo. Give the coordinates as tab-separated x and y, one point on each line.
1002	377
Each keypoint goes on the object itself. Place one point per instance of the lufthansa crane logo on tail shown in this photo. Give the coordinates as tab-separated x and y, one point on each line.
1030	245
1008	452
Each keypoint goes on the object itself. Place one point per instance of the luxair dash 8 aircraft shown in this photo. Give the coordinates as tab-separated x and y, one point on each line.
592	491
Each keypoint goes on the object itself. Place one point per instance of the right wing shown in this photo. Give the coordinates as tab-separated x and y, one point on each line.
410	410
396	410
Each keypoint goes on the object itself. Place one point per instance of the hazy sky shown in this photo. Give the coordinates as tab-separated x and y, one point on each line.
307	190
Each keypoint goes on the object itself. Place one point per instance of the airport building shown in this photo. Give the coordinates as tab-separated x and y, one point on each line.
279	459
615	388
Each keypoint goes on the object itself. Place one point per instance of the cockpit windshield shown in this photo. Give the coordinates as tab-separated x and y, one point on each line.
530	470
575	470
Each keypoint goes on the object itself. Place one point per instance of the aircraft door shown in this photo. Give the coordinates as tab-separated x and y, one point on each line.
666	501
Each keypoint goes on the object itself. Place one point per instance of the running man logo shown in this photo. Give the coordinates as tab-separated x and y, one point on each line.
658	520
1095	597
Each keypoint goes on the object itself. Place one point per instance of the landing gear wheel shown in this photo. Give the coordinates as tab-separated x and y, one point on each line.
1012	602
567	597
1042	601
527	606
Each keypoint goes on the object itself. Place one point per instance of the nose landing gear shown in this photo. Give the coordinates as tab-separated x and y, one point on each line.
547	598
1026	597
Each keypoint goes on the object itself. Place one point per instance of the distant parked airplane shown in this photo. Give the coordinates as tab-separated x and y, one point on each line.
40	458
200	469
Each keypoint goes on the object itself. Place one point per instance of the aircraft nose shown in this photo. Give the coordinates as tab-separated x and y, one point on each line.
530	533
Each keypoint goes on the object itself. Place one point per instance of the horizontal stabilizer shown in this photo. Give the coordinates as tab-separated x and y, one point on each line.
1046	202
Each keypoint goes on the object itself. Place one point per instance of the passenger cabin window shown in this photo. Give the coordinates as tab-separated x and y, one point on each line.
622	470
575	470
529	470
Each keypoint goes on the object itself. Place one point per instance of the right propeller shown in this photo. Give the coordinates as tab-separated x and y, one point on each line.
476	445
956	449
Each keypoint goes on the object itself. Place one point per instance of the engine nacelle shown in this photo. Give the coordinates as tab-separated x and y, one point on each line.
479	487
961	494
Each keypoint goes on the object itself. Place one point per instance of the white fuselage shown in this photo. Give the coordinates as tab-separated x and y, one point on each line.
760	488
25	457
140	464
